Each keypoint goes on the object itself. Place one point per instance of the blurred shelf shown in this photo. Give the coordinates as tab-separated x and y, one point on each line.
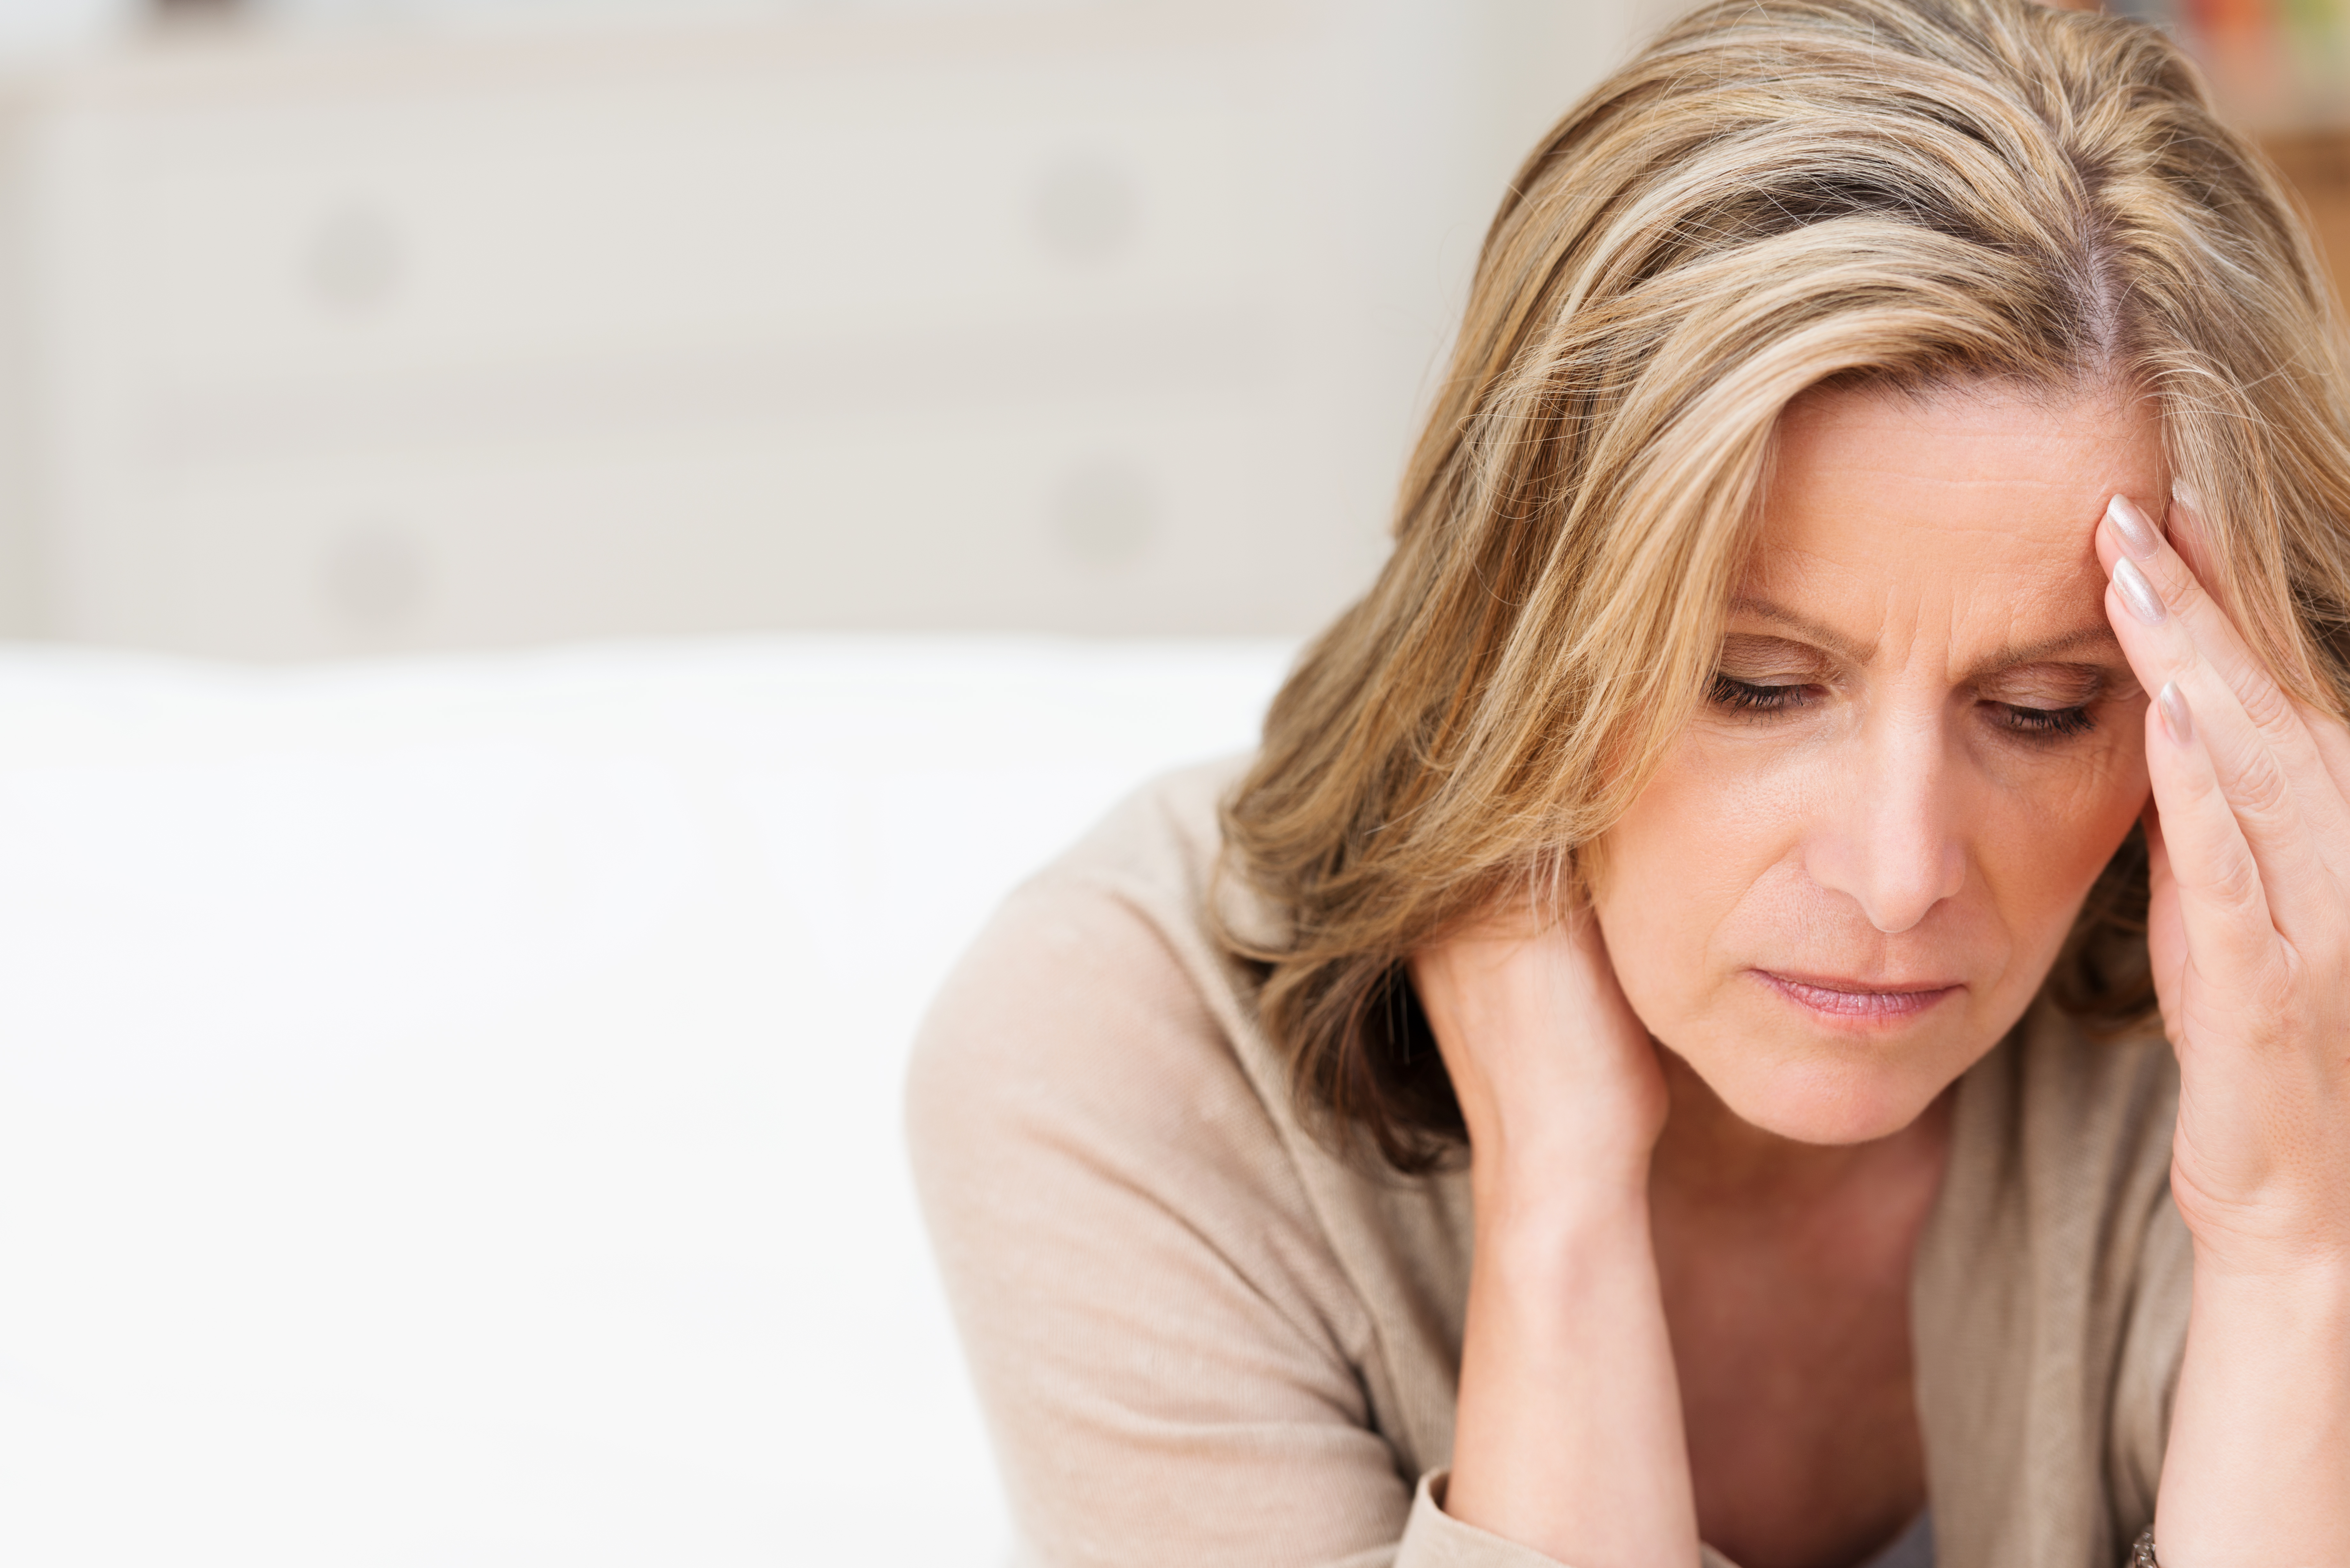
2316	164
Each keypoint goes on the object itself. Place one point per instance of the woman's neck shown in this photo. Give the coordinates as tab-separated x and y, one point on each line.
1709	1157
1784	1273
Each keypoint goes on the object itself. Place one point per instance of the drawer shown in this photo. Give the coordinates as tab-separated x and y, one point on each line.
1162	517
413	228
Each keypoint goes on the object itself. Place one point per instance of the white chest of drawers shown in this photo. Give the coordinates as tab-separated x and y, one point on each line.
1083	323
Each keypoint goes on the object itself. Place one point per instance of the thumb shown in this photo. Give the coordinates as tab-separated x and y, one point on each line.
2157	854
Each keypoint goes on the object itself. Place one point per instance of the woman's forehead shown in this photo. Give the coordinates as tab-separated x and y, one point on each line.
1970	476
1951	443
1975	509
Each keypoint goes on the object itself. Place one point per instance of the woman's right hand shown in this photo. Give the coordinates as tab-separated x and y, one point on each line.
1567	1436
1557	1079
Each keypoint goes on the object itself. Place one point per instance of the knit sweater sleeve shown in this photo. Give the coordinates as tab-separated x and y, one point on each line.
1169	1355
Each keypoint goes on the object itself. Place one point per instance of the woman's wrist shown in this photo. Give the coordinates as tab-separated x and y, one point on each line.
2253	1471
2301	1298
1545	1232
2299	1257
1568	1439
1541	1206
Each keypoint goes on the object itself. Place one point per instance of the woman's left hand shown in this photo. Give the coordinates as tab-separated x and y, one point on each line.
2249	924
2248	931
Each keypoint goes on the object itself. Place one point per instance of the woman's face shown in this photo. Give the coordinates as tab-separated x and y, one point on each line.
1857	863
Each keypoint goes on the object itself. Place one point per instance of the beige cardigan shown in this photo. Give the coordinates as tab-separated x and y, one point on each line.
1202	1339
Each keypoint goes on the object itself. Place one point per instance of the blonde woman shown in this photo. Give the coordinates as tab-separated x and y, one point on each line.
1779	990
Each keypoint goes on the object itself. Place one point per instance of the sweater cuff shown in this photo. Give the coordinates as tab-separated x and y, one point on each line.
1434	1539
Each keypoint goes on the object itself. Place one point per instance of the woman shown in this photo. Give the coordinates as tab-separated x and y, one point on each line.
1786	973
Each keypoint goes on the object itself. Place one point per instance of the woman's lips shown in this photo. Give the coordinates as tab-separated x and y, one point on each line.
1855	999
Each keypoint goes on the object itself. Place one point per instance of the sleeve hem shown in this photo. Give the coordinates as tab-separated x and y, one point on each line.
1434	1539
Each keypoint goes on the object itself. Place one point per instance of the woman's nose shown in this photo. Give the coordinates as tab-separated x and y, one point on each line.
1889	840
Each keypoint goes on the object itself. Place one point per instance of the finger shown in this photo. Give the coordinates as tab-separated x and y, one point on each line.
2265	812
2223	903
2289	810
2165	942
2166	563
2253	782
2158	853
2188	534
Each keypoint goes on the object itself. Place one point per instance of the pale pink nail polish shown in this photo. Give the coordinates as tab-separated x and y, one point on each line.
2177	721
2133	528
2138	593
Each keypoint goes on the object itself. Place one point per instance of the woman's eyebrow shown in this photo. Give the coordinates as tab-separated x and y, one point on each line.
1835	641
2100	636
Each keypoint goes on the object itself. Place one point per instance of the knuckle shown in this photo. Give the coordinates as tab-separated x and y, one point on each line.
2319	949
2181	588
2262	790
2236	885
2276	987
2270	709
2203	790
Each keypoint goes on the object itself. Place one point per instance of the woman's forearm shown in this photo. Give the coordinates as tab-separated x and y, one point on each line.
1567	1433
2257	1473
1569	1436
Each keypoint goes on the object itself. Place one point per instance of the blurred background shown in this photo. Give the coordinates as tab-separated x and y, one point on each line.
557	558
336	327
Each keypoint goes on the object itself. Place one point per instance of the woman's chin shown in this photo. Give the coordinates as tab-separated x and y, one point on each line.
1827	1101
1838	1073
1856	1123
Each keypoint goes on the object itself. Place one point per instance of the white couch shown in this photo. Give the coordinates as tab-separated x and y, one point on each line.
449	1109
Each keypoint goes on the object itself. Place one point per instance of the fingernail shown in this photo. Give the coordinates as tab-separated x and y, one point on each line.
2186	496
2138	593
2133	528
2175	720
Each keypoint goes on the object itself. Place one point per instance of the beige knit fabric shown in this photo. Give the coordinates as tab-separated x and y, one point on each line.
1202	1338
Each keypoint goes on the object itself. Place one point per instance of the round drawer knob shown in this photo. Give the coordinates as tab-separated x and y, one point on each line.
1086	210
375	578
356	261
1105	514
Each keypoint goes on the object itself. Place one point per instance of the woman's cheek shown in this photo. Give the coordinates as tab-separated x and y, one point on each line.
2061	826
1696	846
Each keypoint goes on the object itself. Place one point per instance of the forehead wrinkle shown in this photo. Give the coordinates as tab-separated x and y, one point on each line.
2057	597
1827	637
2099	636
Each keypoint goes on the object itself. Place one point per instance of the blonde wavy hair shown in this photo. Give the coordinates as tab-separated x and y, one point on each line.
1775	196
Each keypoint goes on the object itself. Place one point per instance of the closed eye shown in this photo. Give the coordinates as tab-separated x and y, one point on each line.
2044	723
1758	697
1762	698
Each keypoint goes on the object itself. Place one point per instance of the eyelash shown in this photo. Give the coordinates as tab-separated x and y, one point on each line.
1745	696
2049	723
2029	724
